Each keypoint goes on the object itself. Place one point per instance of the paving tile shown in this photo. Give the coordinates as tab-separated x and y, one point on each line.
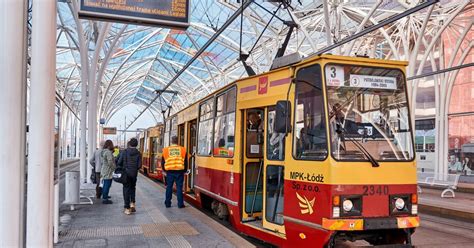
153	225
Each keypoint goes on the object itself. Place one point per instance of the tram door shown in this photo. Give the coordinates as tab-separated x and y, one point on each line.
153	154
253	164
191	148
273	176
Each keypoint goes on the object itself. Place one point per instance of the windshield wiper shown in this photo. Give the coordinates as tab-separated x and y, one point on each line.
372	160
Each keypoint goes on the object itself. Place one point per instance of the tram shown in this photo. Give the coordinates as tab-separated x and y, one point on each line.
151	148
312	154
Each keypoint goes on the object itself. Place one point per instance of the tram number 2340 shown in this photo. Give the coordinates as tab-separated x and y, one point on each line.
375	190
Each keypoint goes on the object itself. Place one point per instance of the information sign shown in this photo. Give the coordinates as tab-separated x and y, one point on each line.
373	82
335	75
109	130
169	13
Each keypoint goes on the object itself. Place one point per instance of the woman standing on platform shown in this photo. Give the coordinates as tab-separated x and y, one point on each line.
108	168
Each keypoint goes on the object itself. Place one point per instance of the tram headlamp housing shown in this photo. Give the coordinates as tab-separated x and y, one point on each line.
347	205
351	205
400	204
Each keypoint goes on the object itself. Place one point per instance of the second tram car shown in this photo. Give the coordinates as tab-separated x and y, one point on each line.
151	148
313	153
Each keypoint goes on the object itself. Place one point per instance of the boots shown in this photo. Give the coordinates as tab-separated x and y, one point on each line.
132	207
127	211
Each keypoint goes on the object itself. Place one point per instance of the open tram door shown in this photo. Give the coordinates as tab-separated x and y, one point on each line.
252	164
154	143
263	171
191	149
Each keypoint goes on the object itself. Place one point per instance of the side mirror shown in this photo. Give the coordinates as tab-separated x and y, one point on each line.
282	117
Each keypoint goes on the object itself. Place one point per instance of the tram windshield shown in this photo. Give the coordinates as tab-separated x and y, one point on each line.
368	113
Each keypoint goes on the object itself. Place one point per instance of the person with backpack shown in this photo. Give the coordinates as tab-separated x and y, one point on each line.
96	162
130	160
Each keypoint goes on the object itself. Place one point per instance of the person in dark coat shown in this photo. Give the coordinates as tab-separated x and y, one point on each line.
130	159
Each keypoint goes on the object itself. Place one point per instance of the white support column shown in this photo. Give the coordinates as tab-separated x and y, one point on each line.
93	95
12	126
84	96
42	101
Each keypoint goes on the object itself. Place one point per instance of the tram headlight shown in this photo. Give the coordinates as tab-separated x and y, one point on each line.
399	204
351	205
347	205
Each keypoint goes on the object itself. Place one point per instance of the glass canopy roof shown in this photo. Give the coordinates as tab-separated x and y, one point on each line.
134	61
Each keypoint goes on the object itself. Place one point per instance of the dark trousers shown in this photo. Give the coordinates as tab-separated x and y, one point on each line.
106	188
98	189
171	178
129	191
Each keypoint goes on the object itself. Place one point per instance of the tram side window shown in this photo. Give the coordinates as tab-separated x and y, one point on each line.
275	141
224	125
310	129
205	127
255	130
174	127
166	141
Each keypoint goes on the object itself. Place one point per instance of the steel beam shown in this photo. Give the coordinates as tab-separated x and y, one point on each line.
198	53
375	27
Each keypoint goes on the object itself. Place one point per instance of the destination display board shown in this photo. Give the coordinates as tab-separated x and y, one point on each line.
373	82
168	13
335	76
109	130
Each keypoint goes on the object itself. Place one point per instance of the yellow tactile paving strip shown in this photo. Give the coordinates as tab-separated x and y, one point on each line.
101	232
168	229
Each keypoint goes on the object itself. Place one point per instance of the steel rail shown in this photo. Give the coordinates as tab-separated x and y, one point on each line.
441	71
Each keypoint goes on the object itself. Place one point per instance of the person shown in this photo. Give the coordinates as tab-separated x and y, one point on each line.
174	164
130	159
96	162
221	150
108	168
458	165
254	121
116	151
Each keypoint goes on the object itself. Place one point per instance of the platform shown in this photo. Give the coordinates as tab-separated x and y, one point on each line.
153	225
460	207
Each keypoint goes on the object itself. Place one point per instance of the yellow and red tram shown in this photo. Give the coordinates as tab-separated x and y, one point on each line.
151	148
314	153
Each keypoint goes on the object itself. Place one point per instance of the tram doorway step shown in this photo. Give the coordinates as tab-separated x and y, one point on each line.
256	223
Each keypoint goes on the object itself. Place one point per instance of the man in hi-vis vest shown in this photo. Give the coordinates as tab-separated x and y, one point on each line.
175	164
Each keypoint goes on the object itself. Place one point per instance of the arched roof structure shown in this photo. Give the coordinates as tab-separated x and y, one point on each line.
133	61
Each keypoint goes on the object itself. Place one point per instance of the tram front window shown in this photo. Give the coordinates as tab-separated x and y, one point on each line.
310	129
368	113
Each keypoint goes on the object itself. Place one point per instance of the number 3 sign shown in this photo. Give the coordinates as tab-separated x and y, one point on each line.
334	75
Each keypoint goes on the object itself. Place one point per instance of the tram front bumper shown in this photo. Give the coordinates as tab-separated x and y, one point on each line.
370	223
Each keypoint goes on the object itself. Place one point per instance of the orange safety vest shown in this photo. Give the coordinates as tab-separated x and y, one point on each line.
174	157
222	152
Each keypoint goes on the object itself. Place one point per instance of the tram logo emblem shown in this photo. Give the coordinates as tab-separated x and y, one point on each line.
262	85
305	204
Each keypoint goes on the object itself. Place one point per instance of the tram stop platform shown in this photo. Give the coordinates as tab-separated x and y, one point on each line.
461	207
153	225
